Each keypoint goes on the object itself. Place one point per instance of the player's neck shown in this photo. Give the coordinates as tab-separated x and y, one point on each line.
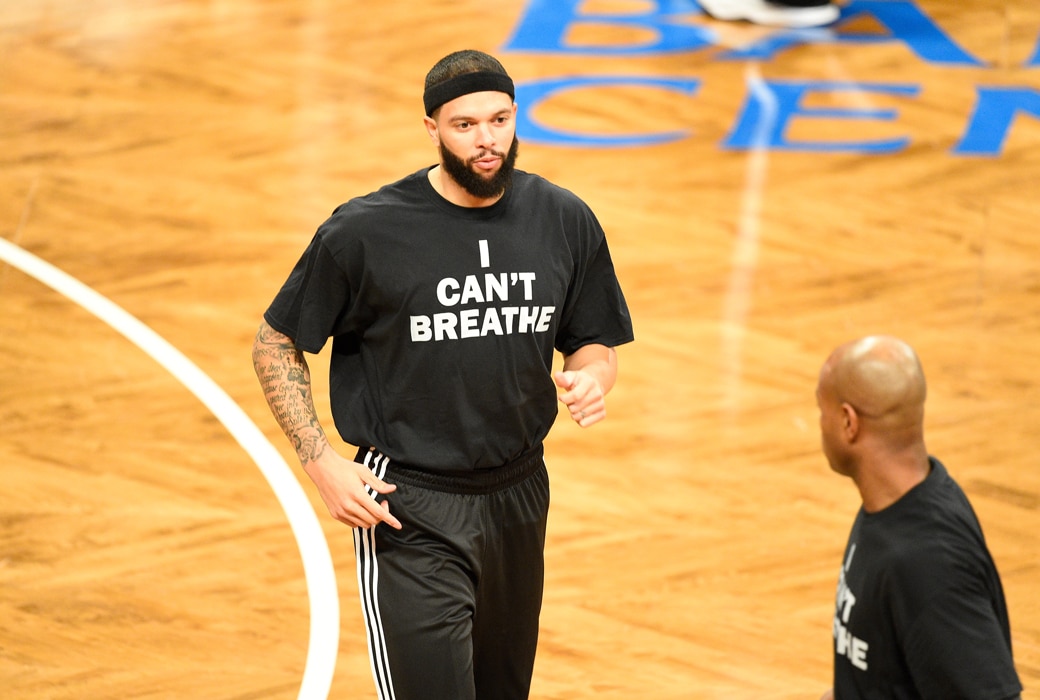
885	479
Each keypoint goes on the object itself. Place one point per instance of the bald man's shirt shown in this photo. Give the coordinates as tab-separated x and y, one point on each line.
920	610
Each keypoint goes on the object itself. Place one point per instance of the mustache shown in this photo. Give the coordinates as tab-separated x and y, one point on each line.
485	153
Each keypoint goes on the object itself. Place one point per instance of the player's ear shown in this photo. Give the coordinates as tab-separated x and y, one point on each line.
431	128
849	422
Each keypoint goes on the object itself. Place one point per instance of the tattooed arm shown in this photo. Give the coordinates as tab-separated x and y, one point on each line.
286	381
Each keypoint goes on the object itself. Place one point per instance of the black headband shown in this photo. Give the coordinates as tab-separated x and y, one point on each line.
481	81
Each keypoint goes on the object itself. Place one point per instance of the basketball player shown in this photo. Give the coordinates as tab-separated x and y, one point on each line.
920	611
446	294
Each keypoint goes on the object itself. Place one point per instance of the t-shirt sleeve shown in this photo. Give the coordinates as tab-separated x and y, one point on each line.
312	304
597	311
957	648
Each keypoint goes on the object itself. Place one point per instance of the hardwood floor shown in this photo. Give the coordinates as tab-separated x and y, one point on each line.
175	156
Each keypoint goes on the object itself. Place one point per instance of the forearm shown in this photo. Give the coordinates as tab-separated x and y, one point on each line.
286	382
599	361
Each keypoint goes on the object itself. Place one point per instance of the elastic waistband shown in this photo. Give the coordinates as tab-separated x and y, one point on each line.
477	481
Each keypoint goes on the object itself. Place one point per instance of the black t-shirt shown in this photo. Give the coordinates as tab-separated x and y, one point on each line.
920	610
445	318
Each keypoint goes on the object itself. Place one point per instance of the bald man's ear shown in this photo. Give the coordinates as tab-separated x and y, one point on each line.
849	422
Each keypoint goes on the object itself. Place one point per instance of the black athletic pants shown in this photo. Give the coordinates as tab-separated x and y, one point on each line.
451	601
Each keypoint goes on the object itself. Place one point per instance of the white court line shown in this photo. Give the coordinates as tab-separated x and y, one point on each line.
314	549
745	251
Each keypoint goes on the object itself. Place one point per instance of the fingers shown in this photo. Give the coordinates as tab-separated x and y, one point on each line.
365	511
588	416
564	379
378	512
377	484
583	397
372	511
349	491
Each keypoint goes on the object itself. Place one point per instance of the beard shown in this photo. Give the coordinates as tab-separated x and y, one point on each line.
476	184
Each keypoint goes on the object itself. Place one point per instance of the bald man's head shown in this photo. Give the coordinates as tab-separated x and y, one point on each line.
880	376
872	392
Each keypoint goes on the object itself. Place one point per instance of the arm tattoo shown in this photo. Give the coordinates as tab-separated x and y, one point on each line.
286	381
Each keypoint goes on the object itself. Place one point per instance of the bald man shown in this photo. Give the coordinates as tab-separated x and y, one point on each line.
920	609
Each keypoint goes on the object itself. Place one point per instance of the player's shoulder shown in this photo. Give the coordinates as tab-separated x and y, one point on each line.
401	192
525	181
362	214
939	548
549	195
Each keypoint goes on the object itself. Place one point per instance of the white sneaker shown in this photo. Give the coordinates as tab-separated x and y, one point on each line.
770	14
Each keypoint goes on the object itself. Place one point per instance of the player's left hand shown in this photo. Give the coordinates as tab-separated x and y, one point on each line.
583	396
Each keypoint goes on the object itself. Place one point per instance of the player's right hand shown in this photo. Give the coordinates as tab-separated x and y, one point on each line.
342	485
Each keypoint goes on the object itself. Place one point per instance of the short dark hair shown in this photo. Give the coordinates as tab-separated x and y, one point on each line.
461	62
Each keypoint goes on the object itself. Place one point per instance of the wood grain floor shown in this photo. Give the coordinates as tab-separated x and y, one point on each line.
176	156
